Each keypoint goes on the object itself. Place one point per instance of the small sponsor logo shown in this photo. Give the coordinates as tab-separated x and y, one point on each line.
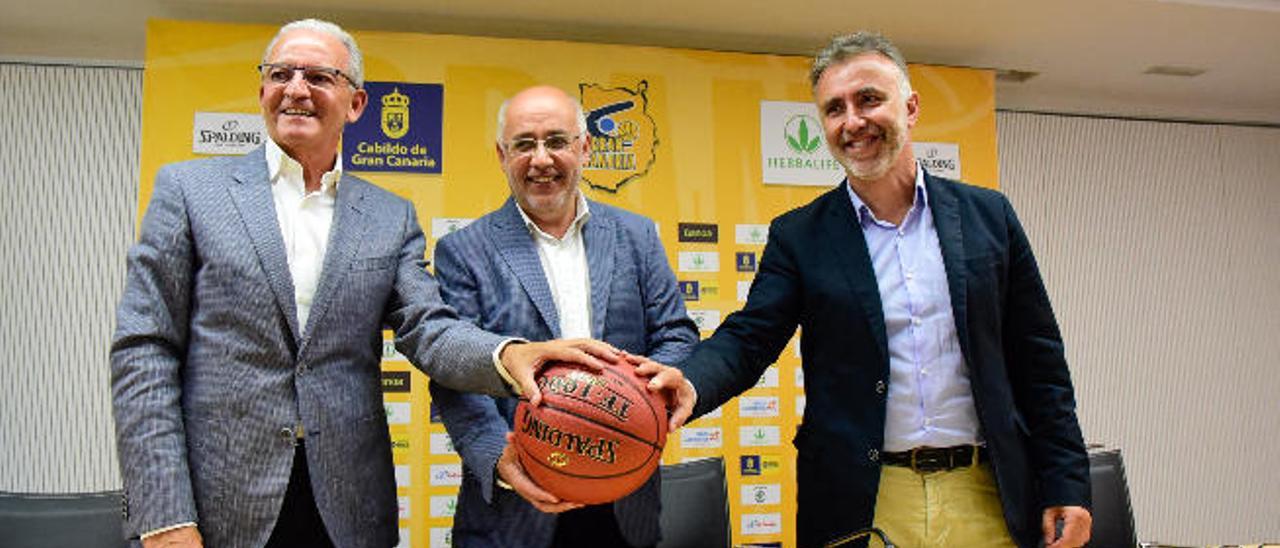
398	412
440	537
688	289
744	261
441	444
444	506
227	133
750	234
791	149
758	406
942	159
446	474
770	465
403	503
390	354
761	493
749	465
701	438
706	320
761	524
404	538
705	233
445	225
698	261
800	400
396	381
744	289
759	436
769	379
799	375
402	476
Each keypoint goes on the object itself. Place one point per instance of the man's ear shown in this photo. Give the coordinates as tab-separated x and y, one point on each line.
359	100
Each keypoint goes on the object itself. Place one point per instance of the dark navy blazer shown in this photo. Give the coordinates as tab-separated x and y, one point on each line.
816	273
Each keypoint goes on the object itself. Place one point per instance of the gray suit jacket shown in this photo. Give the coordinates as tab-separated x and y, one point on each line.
491	273
211	373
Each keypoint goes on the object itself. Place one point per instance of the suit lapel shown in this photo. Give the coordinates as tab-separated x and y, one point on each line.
597	239
515	245
946	221
251	194
850	249
344	235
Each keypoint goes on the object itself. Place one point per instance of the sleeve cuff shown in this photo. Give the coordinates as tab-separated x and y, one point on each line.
502	371
149	534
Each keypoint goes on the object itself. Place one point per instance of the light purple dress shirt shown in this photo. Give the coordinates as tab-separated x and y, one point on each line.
930	401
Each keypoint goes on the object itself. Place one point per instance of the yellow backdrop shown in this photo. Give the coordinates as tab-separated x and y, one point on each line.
706	114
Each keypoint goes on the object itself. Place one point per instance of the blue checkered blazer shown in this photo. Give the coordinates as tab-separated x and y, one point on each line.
490	272
211	372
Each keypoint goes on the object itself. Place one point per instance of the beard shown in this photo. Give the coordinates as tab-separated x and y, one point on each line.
892	140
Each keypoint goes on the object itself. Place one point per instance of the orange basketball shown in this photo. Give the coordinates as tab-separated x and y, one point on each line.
595	437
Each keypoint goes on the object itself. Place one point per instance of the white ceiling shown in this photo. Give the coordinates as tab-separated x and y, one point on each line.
1090	54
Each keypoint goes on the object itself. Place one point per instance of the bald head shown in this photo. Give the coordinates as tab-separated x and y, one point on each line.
543	96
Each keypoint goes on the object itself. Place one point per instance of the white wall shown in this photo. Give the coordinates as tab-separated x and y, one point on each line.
68	188
1160	245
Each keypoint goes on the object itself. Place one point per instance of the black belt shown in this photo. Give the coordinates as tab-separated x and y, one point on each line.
936	459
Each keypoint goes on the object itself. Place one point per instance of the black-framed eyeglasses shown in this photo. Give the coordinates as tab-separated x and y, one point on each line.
316	77
556	142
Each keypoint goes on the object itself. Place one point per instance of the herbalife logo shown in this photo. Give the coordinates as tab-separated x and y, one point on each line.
797	132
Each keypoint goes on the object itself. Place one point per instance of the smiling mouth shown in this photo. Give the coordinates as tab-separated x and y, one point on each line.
299	112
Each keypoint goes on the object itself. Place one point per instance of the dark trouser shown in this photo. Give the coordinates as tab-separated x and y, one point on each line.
588	527
299	523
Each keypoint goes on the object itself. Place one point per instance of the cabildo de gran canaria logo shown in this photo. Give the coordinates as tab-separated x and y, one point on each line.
623	136
395	114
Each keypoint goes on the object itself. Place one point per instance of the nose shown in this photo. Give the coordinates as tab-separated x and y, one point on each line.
297	87
541	156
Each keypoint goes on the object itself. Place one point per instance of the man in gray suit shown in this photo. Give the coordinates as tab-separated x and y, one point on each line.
549	263
245	364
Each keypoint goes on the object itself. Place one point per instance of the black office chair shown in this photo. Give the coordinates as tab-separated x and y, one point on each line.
695	505
1112	513
89	520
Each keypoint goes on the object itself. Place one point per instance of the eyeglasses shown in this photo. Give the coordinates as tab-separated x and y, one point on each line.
556	142
316	77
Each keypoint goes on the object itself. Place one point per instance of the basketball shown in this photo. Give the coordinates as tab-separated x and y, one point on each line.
596	437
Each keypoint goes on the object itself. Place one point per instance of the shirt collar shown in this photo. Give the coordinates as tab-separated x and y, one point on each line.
864	212
579	219
281	165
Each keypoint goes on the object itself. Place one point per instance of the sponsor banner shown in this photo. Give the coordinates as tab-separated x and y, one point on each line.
624	138
441	444
744	261
762	524
750	234
759	436
444	225
401	130
403	503
744	289
227	133
688	289
706	320
698	261
698	233
396	382
761	494
710	437
390	354
942	159
792	148
403	476
446	474
441	537
769	379
757	406
443	506
398	412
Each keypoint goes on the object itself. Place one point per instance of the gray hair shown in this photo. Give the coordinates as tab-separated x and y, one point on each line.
577	111
355	61
853	45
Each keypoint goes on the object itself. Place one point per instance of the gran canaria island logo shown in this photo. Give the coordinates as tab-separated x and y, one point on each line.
623	136
797	133
395	114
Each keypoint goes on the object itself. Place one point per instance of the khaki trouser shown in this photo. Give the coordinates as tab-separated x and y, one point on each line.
956	508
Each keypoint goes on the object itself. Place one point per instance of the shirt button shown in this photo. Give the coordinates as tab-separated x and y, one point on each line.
873	455
916	321
911	274
880	387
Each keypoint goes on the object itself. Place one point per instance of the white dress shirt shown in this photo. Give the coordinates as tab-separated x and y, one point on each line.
305	219
564	263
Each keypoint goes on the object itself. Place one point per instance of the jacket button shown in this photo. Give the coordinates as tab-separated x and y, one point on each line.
873	455
287	434
880	386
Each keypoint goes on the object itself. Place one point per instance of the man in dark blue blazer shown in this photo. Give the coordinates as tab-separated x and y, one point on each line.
939	405
551	264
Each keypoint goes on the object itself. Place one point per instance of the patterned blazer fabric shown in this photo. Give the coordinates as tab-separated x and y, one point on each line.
211	373
490	272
